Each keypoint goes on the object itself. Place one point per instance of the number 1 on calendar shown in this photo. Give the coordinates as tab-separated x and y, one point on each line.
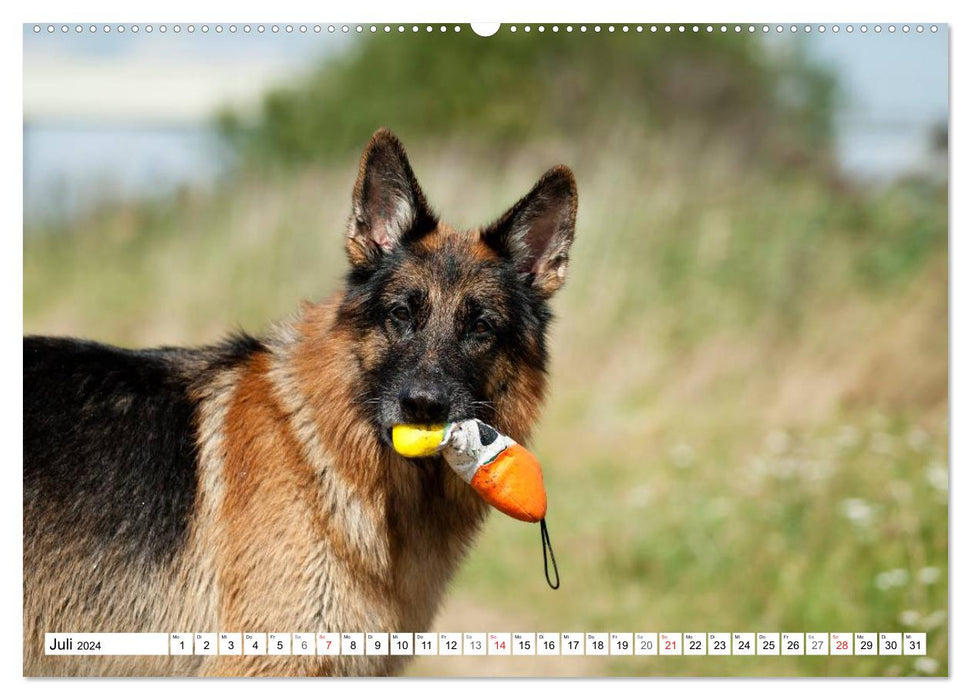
180	644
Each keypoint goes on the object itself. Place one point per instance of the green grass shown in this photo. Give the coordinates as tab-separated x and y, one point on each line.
792	533
747	425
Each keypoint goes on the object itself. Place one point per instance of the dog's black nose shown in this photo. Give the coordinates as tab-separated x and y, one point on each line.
424	403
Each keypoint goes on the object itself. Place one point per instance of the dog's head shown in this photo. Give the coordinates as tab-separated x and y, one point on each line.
451	325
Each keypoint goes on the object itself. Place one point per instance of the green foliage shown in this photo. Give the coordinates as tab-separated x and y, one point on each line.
903	232
746	427
503	90
838	528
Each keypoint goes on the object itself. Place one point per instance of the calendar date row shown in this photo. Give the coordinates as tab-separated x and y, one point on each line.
490	643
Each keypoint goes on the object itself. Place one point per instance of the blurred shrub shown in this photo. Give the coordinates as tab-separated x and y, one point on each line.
512	87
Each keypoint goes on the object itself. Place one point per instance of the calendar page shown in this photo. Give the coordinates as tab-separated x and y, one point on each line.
516	349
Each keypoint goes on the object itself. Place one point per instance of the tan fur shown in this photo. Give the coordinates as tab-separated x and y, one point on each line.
303	520
304	523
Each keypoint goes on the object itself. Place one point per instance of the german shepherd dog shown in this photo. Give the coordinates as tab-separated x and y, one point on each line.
251	486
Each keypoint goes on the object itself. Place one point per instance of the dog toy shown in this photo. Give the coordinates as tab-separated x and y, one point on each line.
504	473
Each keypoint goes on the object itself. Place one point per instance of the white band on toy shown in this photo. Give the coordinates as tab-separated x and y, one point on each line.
469	444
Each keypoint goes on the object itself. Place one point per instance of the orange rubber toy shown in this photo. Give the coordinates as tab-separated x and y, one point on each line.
504	473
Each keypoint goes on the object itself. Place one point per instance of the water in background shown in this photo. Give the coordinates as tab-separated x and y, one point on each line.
892	117
70	167
892	112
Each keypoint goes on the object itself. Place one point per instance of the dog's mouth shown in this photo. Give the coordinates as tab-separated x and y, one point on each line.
387	435
389	415
421	463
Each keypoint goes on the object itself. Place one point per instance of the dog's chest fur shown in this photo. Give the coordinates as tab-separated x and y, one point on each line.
245	487
321	527
301	521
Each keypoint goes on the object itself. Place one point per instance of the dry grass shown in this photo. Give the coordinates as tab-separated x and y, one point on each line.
748	422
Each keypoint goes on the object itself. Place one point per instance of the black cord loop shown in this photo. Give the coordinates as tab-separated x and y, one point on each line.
548	556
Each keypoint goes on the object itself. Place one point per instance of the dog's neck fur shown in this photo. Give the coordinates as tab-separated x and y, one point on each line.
406	524
319	525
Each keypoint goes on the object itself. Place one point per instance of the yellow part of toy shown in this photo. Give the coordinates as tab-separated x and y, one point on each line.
417	440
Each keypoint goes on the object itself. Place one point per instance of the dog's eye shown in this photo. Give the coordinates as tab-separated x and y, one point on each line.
401	313
481	328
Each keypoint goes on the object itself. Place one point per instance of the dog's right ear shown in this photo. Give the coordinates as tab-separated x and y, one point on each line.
537	232
388	205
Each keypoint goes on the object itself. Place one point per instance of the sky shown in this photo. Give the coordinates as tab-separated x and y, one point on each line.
885	77
893	89
166	78
120	113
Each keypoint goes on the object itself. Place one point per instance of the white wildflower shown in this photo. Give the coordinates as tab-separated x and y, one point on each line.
857	511
925	664
935	619
909	618
918	439
848	437
929	575
936	475
894	578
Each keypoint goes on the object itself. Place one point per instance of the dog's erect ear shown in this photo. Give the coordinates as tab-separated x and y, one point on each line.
536	233
388	204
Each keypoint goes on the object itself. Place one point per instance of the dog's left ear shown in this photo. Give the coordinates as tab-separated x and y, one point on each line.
388	205
536	233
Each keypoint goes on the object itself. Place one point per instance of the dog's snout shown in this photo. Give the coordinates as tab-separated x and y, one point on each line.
424	403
